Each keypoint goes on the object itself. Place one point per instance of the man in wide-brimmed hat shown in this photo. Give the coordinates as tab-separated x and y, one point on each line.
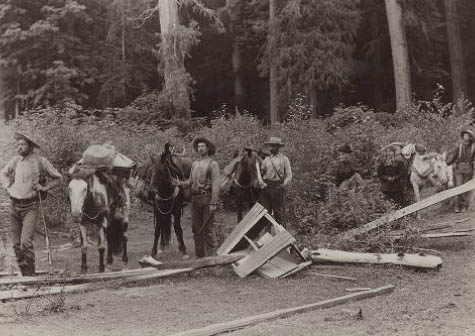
204	183
277	174
462	157
24	179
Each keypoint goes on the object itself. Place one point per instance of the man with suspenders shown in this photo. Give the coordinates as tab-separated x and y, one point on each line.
22	179
204	182
462	157
277	174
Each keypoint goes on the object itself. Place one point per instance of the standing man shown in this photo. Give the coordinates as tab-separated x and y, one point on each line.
24	179
204	182
277	175
463	159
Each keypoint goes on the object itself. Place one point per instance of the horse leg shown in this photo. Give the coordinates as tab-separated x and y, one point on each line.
109	259
156	236
101	245
125	258
179	233
84	245
417	194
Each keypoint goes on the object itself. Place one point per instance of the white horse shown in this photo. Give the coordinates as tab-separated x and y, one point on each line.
426	169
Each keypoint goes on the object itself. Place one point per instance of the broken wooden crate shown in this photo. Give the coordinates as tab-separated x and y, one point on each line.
267	253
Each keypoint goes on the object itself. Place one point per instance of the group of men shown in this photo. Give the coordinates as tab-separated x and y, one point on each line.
397	164
28	176
204	182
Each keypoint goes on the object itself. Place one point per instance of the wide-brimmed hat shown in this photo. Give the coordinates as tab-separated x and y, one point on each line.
345	149
211	146
28	138
274	141
469	132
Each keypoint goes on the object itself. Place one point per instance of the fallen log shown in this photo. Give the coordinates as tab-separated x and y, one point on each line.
402	259
382	221
247	321
194	264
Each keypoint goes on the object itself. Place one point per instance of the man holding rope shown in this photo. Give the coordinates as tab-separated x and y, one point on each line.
24	179
204	182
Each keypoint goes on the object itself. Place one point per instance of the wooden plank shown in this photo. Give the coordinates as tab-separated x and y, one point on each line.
52	290
418	249
357	289
43	280
408	210
340	277
402	259
250	263
198	263
276	267
251	320
439	235
251	218
300	267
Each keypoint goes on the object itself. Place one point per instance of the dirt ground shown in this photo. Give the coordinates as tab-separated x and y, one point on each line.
423	303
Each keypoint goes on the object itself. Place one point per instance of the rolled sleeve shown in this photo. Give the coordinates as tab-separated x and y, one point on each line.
215	182
288	171
6	173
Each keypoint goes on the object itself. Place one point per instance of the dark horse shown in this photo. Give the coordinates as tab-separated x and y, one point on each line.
91	203
245	172
167	200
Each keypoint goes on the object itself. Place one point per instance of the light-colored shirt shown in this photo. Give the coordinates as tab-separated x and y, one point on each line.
275	165
205	176
25	172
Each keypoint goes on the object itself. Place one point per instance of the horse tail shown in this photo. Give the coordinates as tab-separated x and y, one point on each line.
115	236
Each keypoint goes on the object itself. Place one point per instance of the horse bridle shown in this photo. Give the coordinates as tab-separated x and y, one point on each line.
172	197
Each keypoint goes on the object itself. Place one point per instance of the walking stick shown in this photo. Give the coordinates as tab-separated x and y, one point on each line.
46	232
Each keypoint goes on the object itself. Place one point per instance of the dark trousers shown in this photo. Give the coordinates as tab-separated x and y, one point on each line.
272	198
460	179
202	226
397	197
23	219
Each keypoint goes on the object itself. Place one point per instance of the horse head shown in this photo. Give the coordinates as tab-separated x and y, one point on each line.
78	190
251	165
441	172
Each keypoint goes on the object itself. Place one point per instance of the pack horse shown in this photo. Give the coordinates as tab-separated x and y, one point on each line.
101	198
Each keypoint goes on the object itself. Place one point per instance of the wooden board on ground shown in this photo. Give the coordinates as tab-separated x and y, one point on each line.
408	210
244	322
50	280
460	233
196	263
52	290
402	259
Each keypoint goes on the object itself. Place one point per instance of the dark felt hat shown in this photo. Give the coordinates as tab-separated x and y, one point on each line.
28	138
211	146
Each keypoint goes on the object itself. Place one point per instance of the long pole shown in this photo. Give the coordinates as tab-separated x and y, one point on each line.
46	232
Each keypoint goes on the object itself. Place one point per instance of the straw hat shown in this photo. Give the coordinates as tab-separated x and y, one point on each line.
28	138
274	141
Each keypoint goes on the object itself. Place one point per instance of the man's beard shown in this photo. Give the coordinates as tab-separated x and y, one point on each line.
274	151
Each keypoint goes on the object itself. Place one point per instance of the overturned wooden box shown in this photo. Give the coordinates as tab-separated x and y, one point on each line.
267	247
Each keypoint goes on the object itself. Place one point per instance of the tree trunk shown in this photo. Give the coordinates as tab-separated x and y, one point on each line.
377	76
124	62
275	108
402	73
238	95
174	62
459	83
